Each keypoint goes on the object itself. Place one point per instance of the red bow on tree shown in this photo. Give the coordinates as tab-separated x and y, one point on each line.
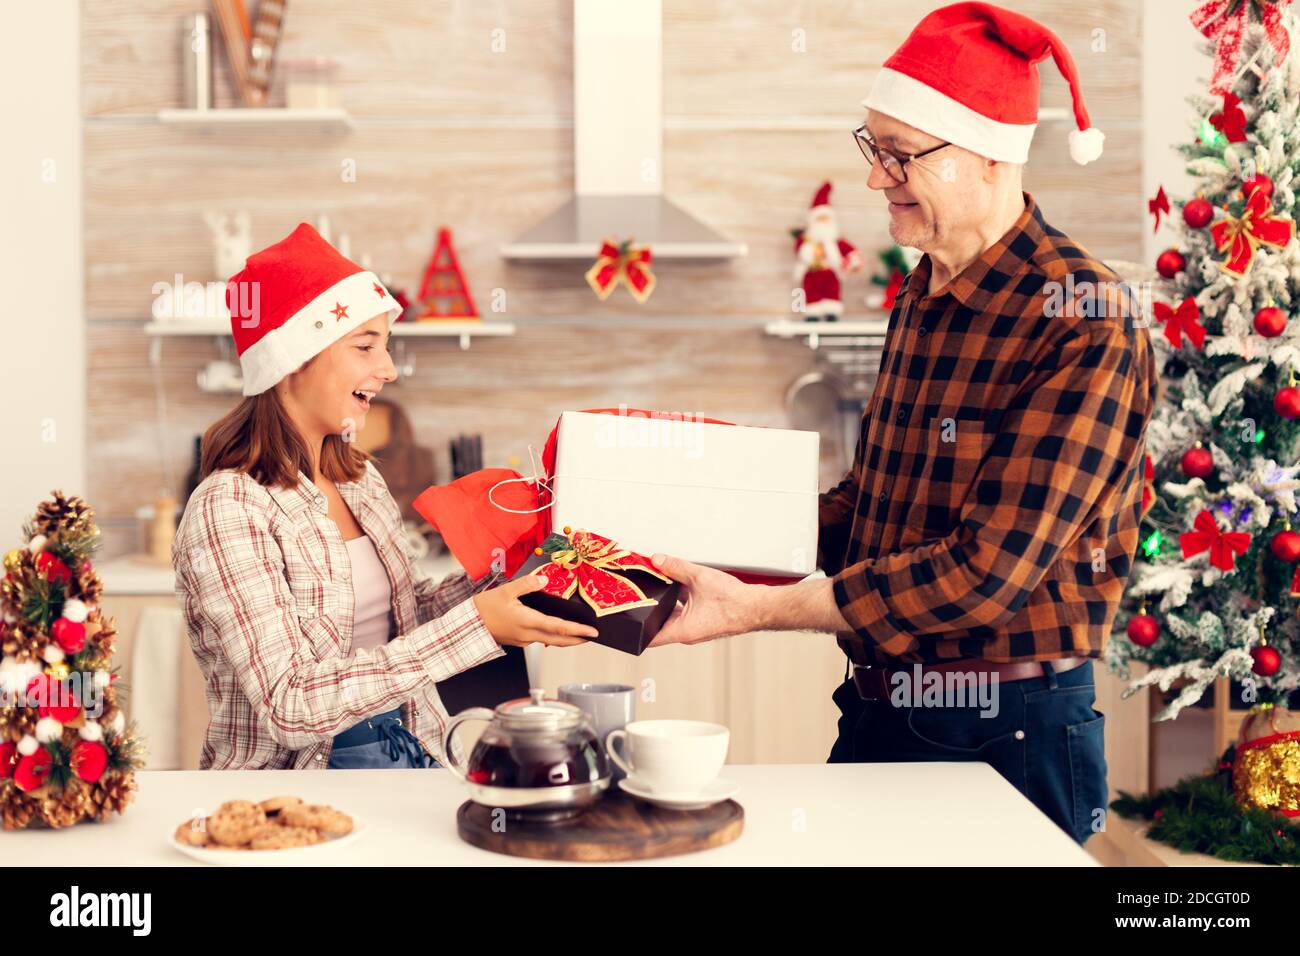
1221	544
1180	321
1239	235
589	566
1158	205
1230	121
622	261
1224	23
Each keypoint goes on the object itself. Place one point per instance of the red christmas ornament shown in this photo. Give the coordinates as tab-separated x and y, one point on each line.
33	770
1170	263
88	760
52	566
1270	321
69	635
1143	629
52	698
1258	182
1267	660
1287	402
8	757
1198	463
1224	546
1286	546
1198	212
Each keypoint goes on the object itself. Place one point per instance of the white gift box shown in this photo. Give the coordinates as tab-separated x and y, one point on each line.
728	496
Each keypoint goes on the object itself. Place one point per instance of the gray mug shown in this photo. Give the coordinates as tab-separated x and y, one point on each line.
609	706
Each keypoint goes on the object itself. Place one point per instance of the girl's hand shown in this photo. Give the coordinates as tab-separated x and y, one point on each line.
512	622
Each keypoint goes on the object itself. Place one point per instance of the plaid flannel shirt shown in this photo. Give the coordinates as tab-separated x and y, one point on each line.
265	582
993	506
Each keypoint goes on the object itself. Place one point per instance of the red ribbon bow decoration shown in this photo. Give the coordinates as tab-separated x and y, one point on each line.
1231	120
590	566
1221	544
1158	205
1224	23
1240	235
622	262
1180	321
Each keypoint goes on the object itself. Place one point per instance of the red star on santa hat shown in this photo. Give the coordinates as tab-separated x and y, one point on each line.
340	312
379	290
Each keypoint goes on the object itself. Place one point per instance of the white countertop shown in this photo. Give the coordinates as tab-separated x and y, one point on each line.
891	814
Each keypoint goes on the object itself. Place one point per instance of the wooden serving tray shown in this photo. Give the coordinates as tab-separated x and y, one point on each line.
617	827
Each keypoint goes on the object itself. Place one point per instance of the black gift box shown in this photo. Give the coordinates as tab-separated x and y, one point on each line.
629	631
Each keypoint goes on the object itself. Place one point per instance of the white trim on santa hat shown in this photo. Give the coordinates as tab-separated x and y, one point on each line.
909	100
824	307
313	328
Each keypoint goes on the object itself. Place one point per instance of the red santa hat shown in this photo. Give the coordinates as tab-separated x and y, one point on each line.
294	299
822	200
967	74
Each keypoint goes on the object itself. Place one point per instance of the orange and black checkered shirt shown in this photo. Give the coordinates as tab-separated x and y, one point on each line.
994	503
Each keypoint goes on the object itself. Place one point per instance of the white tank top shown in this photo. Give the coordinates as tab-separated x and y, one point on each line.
371	625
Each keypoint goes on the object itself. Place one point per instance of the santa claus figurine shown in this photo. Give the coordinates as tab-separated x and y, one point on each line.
820	255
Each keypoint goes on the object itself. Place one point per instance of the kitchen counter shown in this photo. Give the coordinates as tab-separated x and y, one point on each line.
899	814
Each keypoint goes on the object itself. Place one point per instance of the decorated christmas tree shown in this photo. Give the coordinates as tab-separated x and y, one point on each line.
1216	585
67	753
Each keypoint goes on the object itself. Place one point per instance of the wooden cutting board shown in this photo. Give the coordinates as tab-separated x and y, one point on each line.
618	827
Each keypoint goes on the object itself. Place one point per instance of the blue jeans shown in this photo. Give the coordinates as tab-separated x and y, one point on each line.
1046	739
378	742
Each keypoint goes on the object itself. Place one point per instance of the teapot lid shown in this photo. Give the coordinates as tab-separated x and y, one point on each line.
536	712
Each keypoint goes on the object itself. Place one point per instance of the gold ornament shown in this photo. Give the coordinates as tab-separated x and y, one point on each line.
1266	768
13	560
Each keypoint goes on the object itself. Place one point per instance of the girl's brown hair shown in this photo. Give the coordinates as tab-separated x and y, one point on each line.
259	438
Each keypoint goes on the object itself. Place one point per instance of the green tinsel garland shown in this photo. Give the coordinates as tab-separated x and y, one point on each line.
1200	815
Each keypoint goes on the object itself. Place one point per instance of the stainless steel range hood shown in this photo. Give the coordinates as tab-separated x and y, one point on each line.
618	147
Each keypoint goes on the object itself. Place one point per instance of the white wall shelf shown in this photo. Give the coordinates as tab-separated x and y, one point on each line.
854	332
255	116
464	331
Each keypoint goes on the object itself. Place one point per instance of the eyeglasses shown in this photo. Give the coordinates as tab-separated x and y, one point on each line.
894	163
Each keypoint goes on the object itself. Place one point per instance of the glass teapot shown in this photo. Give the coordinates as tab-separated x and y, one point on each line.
535	755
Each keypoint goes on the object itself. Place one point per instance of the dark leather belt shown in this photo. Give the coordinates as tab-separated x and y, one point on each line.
873	683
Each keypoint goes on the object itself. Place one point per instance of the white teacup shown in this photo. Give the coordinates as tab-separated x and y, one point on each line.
670	756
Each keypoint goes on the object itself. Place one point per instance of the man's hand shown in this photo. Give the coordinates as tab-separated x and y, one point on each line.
717	605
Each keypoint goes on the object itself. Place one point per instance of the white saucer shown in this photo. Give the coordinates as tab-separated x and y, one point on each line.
711	793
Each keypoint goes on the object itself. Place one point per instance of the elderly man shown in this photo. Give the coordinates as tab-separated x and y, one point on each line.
976	552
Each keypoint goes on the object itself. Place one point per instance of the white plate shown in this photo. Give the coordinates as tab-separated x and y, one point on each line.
317	853
714	792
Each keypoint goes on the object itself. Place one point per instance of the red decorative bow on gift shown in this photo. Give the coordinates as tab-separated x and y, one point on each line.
1224	23
1180	321
1221	544
1240	235
589	566
622	262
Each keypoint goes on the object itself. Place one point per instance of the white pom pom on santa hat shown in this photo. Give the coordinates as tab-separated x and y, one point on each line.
1085	144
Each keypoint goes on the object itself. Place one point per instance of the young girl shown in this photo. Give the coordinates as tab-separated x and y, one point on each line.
291	553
